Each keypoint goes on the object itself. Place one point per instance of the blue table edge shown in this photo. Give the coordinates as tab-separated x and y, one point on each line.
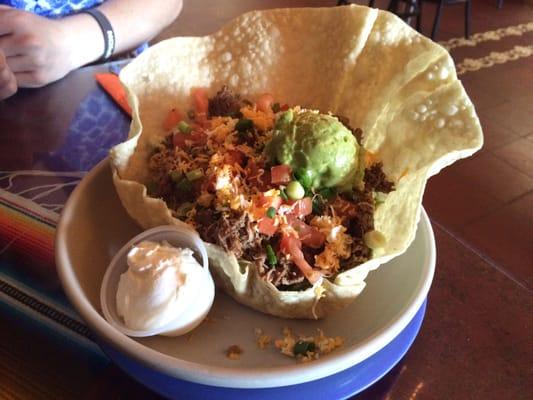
341	385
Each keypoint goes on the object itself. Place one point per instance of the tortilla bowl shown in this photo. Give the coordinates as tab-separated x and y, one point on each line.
399	87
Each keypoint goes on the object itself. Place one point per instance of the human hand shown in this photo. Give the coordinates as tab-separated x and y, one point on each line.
8	84
37	49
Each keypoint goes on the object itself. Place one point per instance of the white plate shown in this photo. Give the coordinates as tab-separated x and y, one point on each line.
94	225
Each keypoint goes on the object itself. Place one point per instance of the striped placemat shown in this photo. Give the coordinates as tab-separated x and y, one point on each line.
26	246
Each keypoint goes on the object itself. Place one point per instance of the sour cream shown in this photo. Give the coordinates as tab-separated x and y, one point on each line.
162	284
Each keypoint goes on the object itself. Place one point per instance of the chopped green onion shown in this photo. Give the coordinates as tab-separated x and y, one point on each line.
271	256
191	114
194	174
175	175
276	107
283	194
184	209
271	212
302	347
295	190
244	125
304	176
184	185
184	127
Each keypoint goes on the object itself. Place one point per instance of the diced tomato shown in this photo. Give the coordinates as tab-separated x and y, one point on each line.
200	99
179	139
264	102
290	245
173	117
284	107
308	235
281	173
268	201
311	237
267	226
262	203
303	207
234	157
199	138
201	121
264	181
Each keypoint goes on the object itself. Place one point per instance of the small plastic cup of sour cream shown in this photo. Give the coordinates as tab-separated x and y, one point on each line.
198	301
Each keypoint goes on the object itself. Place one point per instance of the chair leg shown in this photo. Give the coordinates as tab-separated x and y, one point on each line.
437	20
468	9
393	6
419	16
500	3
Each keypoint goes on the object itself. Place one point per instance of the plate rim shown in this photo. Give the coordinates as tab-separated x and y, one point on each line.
229	376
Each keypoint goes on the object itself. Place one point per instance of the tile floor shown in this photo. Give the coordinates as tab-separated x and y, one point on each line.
487	200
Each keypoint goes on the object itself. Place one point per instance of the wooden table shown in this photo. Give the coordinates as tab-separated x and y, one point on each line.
475	342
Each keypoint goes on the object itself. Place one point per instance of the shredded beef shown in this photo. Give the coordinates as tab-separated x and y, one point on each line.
161	185
357	132
224	104
363	220
160	164
376	180
360	254
230	230
283	273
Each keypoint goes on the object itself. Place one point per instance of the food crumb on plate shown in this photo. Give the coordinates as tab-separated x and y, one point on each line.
234	352
307	348
262	340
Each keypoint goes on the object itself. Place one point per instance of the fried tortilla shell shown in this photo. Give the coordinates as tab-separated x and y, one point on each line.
368	65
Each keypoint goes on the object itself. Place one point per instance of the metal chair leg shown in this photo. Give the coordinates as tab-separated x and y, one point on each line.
419	16
468	9
437	20
394	6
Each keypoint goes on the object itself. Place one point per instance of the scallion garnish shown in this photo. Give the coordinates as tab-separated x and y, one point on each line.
244	125
271	256
271	212
194	174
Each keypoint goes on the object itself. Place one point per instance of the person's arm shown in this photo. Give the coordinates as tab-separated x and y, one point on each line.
8	84
41	50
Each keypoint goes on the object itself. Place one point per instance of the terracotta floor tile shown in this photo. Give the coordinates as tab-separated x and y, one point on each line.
512	78
523	206
450	200
481	98
489	328
519	154
494	134
506	236
486	172
512	116
525	102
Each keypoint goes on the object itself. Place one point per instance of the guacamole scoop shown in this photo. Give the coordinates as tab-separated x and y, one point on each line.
316	145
